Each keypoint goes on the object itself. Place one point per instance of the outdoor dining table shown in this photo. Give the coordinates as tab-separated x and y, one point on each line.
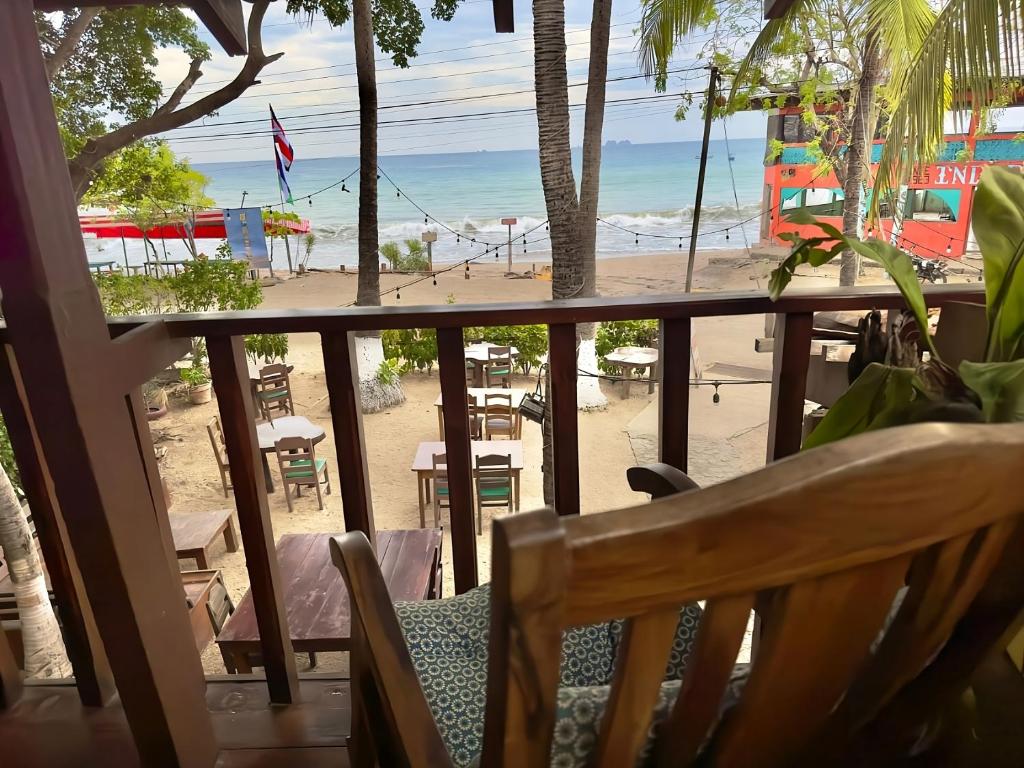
629	359
477	355
316	601
269	432
423	464
478	394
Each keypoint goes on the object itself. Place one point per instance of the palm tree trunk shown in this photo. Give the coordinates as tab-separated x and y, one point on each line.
44	647
551	85
376	394
858	155
588	393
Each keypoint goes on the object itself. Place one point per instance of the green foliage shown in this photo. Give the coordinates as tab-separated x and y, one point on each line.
415	348
530	340
990	390
266	347
413	260
195	375
397	24
111	74
122	294
208	285
775	147
624	333
388	372
7	460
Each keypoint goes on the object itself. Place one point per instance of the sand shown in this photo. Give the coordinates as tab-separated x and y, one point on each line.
725	439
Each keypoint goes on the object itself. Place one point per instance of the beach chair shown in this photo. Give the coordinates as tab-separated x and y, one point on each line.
274	391
879	607
440	483
499	418
498	368
220	452
493	480
296	458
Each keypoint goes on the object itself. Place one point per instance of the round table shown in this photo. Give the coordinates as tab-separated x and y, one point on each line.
269	432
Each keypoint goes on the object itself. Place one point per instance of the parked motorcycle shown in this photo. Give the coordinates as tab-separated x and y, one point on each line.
931	270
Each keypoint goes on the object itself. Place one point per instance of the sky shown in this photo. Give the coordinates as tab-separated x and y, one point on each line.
313	89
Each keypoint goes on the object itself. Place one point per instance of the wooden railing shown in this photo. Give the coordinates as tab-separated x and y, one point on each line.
224	332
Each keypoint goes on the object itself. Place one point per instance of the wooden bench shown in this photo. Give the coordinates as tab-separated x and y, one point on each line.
194	532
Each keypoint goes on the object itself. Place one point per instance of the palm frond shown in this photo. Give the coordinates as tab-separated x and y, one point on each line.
662	24
967	61
902	26
760	49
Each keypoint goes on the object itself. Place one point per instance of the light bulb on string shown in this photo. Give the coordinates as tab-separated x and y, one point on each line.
949	246
727	234
680	243
457	240
636	239
425	220
716	398
397	193
435	279
310	202
398	295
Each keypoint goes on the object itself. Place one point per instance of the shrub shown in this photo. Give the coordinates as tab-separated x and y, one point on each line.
624	333
122	294
530	340
388	372
414	347
266	347
413	260
215	284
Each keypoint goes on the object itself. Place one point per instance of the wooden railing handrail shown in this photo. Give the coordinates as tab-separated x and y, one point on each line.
601	309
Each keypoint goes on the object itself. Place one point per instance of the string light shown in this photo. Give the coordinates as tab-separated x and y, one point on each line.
716	398
949	246
435	280
727	234
680	243
397	193
398	294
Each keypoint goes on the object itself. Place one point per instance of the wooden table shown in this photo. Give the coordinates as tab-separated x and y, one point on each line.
99	266
477	355
315	597
478	393
194	532
629	359
423	464
269	432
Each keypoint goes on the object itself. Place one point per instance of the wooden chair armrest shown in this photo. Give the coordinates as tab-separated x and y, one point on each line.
659	480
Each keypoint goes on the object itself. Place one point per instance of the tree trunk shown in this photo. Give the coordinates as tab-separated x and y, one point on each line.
858	156
551	84
588	393
44	647
376	392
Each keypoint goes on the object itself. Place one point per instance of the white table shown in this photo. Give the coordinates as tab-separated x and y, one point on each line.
423	464
269	432
478	394
477	354
629	359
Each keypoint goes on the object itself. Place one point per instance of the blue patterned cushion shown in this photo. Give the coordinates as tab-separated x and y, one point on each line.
447	640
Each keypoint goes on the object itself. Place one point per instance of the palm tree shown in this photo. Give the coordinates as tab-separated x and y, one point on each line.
893	31
44	647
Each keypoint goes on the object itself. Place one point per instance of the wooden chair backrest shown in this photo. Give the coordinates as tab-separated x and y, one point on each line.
821	542
290	450
216	433
493	471
440	463
274	376
499	355
498	416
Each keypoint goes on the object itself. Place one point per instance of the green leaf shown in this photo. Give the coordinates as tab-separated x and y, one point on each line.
1000	387
999	228
880	397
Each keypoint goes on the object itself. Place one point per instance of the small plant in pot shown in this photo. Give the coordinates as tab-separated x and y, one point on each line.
988	389
200	389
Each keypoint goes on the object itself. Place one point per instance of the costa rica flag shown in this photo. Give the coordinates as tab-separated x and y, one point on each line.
281	142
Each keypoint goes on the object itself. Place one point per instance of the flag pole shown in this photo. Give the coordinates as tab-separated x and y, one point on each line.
287	246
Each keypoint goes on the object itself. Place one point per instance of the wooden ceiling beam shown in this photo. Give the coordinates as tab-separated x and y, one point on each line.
776	9
223	18
504	16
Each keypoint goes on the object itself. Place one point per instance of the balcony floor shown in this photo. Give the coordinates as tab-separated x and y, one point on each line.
250	733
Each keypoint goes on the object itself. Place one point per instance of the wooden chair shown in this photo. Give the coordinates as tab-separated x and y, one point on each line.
296	458
274	391
499	418
498	367
439	497
493	481
476	419
220	452
880	595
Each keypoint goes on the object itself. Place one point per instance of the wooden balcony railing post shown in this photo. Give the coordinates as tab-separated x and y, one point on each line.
674	391
451	360
93	677
341	368
790	360
565	427
234	398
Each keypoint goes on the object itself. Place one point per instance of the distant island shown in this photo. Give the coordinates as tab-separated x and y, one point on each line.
623	143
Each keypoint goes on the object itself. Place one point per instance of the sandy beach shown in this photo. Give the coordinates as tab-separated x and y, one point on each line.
726	439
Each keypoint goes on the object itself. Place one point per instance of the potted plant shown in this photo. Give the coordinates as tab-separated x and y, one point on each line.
990	389
200	389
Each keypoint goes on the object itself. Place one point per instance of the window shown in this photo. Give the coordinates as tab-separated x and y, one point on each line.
796	130
819	202
933	204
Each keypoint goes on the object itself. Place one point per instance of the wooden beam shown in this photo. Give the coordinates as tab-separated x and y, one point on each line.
237	414
776	9
61	341
222	17
790	360
141	353
565	426
674	392
342	374
504	16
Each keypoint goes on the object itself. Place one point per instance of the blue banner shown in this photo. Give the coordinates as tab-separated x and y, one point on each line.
244	230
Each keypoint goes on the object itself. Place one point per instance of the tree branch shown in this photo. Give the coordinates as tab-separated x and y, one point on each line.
174	100
67	45
168	116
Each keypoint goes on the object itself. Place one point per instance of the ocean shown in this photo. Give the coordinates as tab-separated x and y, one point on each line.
645	188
